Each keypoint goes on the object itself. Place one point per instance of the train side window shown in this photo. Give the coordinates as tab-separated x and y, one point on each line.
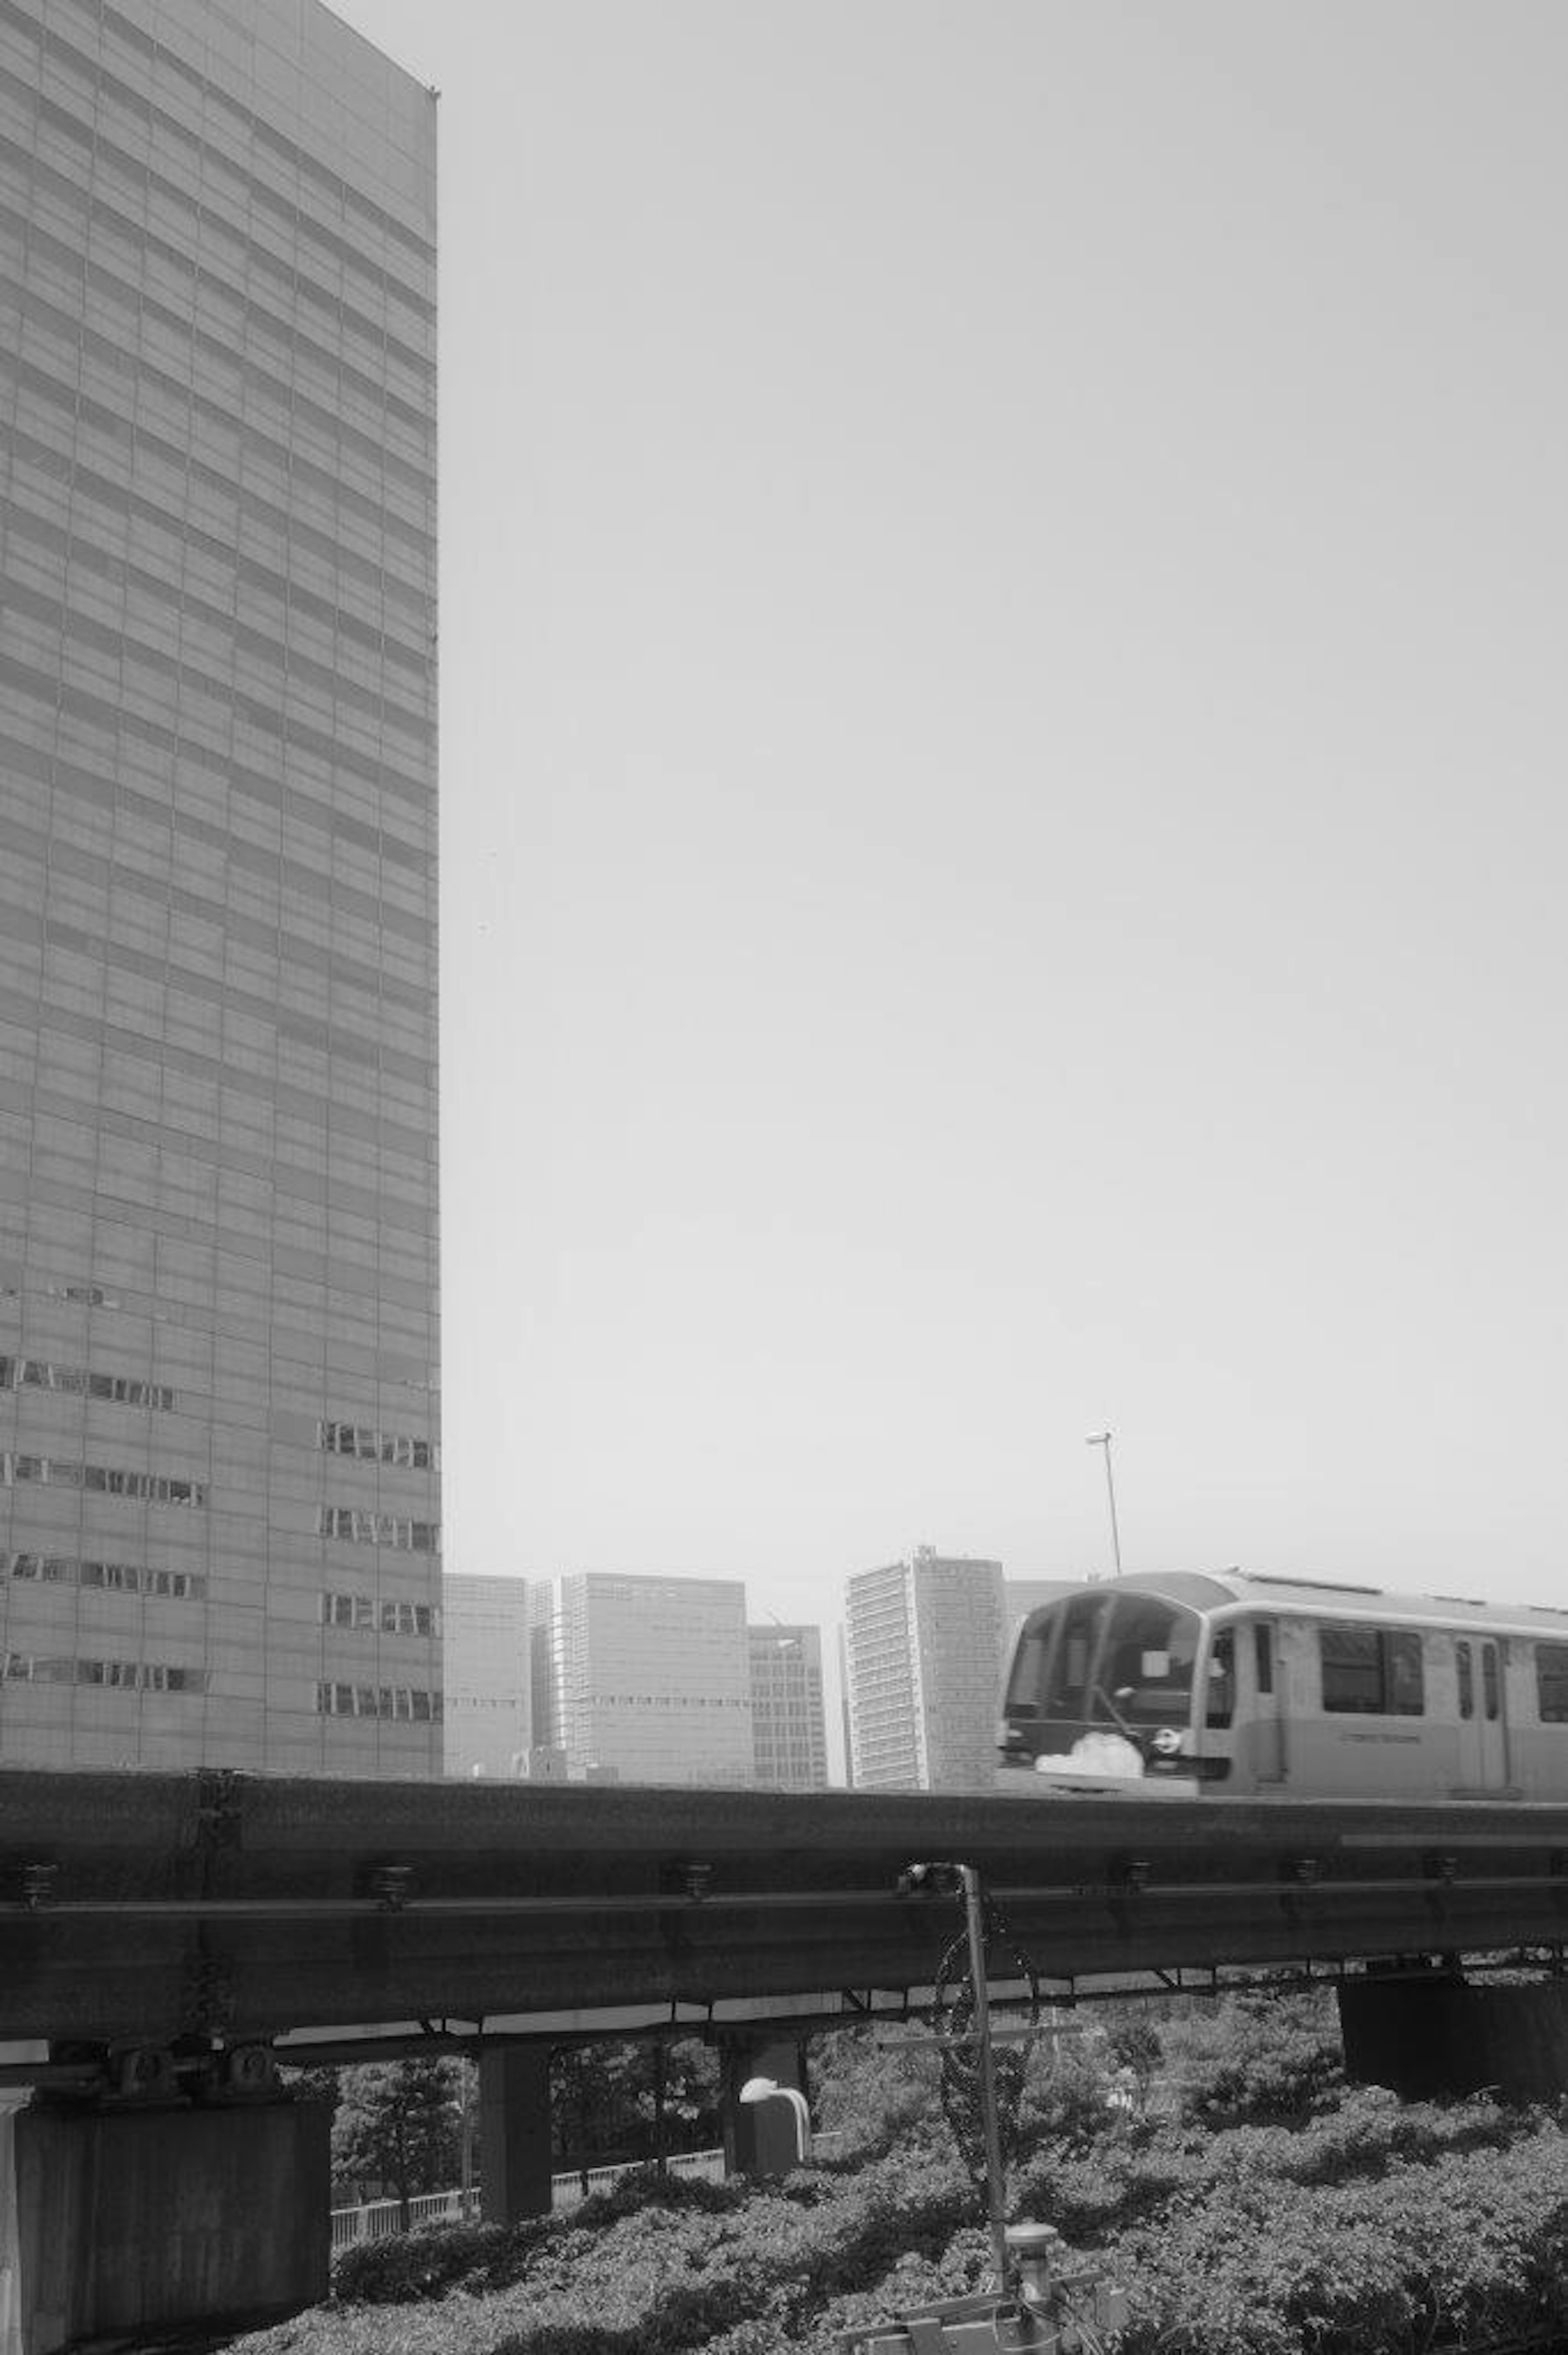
1467	1668
1352	1670
1490	1693
1371	1671
1263	1654
1407	1692
1552	1683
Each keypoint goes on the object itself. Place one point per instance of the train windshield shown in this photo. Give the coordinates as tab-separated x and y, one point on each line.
1109	1660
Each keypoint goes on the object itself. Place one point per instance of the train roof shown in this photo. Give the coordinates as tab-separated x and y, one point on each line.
1321	1598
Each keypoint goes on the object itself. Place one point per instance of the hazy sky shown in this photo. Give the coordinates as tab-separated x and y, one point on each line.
1003	698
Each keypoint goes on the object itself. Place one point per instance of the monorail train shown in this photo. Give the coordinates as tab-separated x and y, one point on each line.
1234	1685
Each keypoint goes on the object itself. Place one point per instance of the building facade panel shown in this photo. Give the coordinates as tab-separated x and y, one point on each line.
218	890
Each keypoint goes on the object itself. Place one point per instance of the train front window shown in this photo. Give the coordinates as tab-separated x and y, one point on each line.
1146	1678
1070	1677
1107	1661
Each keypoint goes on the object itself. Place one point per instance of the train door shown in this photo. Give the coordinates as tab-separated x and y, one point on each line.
1260	1644
1483	1727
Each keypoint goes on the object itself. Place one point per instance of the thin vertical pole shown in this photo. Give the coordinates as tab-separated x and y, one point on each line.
1103	1439
995	2185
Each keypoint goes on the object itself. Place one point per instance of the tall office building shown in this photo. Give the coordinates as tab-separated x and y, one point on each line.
484	1638
923	1643
645	1680
218	1477
788	1722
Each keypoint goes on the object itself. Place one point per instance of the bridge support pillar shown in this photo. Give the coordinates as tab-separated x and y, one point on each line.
131	2219
761	2137
515	2132
1428	2038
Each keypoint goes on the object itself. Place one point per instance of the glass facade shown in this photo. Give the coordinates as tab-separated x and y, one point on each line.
489	1726
645	1680
788	1722
218	1337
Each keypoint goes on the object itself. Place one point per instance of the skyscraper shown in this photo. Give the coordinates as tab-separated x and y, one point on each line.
645	1677
484	1640
922	1645
218	1344
788	1722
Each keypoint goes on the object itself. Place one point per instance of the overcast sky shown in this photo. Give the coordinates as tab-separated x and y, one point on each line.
1002	720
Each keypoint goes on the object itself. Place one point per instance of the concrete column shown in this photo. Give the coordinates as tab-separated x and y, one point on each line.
1427	2037
11	2100
134	2218
514	2132
761	2138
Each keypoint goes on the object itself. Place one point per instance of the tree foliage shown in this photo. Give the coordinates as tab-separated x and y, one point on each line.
398	2124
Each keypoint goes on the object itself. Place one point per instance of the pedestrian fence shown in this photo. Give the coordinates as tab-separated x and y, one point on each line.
377	2220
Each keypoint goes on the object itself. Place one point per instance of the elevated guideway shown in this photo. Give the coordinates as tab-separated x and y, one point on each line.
154	1908
166	1938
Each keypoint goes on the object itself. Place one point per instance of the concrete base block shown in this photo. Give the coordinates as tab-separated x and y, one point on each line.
1429	2038
136	2218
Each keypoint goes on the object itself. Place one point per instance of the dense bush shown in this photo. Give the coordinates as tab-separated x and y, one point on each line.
1336	2221
1250	2057
1469	2248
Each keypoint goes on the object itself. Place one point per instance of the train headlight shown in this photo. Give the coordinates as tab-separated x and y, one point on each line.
1167	1742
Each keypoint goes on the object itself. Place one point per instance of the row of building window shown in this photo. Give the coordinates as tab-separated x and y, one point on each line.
364	1613
374	1446
82	1381
112	1577
662	1700
410	1703
362	1528
108	1479
121	1675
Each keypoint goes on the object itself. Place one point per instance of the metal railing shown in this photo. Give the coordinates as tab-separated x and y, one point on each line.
379	2220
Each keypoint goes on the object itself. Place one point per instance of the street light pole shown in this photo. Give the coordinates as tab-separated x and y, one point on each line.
1103	1439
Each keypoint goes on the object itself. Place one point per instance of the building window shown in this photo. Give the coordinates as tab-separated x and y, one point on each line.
108	1577
360	1527
82	1381
1371	1671
117	1676
375	1446
105	1480
364	1613
405	1704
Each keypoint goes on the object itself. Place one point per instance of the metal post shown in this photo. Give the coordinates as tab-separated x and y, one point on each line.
995	2185
1103	1439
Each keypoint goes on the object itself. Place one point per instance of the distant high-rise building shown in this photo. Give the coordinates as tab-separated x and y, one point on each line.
489	1717
219	1495
644	1680
922	1646
788	1722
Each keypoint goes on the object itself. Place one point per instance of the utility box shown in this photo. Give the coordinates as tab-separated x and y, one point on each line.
959	2326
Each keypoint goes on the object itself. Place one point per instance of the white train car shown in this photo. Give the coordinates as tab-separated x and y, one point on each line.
1232	1684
